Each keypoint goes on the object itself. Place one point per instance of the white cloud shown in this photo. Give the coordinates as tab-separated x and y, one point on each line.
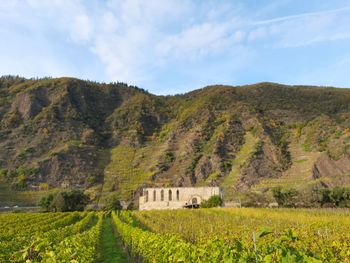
303	29
134	39
196	41
301	16
126	35
81	28
121	57
8	5
109	22
310	30
258	33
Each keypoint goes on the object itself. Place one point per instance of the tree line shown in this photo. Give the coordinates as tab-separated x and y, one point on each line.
325	197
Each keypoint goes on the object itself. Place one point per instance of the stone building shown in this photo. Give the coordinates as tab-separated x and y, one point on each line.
175	197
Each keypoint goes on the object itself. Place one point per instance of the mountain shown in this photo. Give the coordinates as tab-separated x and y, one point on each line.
115	139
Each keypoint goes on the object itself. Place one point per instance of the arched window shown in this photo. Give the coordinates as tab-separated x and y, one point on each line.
154	195
146	193
162	195
170	197
194	200
177	195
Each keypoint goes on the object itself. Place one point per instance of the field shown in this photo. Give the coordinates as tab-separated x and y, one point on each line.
53	237
203	235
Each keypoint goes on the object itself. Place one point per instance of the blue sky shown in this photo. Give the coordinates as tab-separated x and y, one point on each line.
174	46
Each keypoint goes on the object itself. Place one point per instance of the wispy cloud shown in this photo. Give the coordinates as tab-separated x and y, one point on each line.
126	36
303	15
81	29
142	42
200	40
303	29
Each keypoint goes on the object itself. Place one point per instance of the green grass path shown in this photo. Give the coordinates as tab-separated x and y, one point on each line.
110	248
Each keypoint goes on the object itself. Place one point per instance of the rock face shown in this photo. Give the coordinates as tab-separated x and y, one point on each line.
335	172
114	138
28	105
264	164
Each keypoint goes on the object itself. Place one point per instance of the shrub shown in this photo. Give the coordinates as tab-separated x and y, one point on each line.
285	198
338	196
91	180
166	161
66	201
3	172
19	184
254	199
112	203
46	202
213	201
132	206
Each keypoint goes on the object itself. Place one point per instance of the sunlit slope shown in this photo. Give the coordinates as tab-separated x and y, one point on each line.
114	139
300	173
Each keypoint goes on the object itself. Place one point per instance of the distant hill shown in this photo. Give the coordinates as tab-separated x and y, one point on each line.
115	139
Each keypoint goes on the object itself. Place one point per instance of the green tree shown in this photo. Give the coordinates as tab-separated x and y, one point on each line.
213	201
132	206
285	197
75	200
324	196
58	203
112	203
338	196
46	201
65	201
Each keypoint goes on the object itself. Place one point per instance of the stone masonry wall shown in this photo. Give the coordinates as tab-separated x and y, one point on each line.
175	197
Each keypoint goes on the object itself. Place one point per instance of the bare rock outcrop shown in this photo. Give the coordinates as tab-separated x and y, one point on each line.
325	166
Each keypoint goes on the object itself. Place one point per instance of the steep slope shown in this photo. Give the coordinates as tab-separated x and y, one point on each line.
115	139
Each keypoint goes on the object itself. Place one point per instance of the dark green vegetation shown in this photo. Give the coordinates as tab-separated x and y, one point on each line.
336	197
65	201
111	139
214	201
112	203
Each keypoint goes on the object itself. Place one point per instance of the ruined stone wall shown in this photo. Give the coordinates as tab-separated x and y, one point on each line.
175	197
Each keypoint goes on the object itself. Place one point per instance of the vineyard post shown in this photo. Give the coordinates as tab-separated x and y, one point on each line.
192	232
255	249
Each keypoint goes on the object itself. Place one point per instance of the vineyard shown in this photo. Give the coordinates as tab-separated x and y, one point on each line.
51	237
203	235
237	235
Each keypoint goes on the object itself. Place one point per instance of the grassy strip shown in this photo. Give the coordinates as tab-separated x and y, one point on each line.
110	246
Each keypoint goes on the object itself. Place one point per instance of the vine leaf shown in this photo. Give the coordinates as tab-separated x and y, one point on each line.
265	232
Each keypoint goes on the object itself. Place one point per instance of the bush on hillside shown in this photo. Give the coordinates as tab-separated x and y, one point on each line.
132	206
112	203
45	202
65	201
213	201
285	197
254	199
338	196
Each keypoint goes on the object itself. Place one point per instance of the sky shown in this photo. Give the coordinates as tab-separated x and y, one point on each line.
174	46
